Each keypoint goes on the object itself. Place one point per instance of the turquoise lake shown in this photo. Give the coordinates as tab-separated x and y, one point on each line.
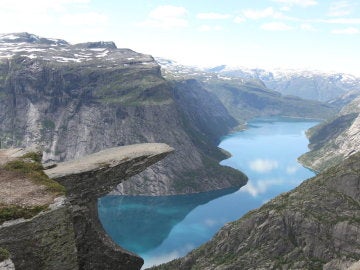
163	228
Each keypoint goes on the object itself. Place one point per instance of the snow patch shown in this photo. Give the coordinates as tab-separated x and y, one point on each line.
66	59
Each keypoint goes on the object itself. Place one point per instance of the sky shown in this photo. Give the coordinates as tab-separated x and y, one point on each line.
298	34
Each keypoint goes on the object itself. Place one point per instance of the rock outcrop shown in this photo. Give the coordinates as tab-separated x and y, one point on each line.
75	100
334	140
314	226
69	235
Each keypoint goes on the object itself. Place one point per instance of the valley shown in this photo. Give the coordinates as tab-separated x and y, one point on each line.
164	227
225	142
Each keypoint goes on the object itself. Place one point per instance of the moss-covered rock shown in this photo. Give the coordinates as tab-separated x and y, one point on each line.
4	254
30	166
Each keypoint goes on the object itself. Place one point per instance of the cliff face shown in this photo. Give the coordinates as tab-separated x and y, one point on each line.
315	226
75	100
69	234
335	139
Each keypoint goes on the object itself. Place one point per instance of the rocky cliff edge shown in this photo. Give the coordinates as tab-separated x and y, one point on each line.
68	233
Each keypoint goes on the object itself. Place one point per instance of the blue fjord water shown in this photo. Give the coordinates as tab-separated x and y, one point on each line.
166	227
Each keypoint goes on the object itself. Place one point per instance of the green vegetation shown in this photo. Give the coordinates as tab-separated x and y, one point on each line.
33	156
4	254
48	124
15	212
34	170
2	95
132	88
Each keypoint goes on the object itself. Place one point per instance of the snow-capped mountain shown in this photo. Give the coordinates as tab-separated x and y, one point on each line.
315	85
306	84
59	51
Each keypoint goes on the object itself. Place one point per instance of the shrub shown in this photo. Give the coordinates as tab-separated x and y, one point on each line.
14	212
34	171
4	254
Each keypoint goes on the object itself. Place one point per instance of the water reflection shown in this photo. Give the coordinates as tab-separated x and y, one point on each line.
162	228
141	223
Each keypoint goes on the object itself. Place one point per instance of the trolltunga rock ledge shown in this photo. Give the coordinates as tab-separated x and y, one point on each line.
71	234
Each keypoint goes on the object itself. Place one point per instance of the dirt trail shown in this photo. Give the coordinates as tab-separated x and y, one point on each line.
17	189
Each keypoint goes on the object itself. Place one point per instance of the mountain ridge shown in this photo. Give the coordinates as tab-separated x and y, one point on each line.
314	85
74	100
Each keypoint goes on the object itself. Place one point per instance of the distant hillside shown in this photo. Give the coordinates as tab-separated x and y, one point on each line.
252	99
335	139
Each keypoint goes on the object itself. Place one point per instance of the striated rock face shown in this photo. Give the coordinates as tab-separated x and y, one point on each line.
43	242
75	100
315	226
69	234
334	140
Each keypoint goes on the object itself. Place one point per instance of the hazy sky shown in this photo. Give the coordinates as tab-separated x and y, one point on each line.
312	34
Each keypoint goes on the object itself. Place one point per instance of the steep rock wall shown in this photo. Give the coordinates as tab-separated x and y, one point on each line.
334	140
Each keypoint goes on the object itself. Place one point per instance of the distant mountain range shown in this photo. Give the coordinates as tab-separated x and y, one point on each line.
246	97
314	85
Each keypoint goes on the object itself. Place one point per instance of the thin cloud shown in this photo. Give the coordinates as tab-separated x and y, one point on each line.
301	3
285	8
276	26
208	28
307	27
341	21
340	8
210	222
292	169
48	14
263	165
89	19
213	16
256	14
166	17
261	186
39	6
346	31
239	19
